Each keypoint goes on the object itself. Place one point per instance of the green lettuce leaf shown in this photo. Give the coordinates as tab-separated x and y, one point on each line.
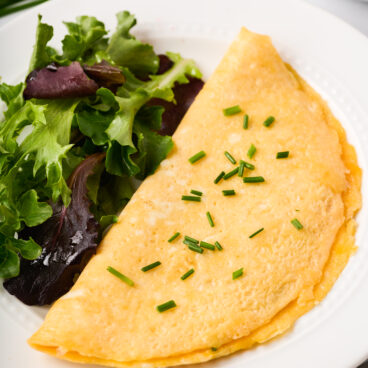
125	50
85	38
131	97
40	57
13	98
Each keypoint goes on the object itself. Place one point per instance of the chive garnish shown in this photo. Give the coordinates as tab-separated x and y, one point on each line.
241	168
249	166
283	154
213	348
206	245
150	266
228	192
173	237
195	248
192	240
232	110
245	121
297	224
268	121
166	306
197	157
120	276
257	232
252	150
196	192
238	273
230	157
188	242
231	173
221	175
210	220
190	198
218	245
253	179
187	274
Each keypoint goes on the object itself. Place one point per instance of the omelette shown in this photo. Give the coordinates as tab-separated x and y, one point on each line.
242	229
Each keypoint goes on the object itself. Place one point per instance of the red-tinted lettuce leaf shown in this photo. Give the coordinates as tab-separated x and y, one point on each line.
68	239
105	74
174	113
184	97
59	82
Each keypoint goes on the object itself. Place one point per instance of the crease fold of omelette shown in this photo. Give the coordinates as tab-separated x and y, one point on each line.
286	271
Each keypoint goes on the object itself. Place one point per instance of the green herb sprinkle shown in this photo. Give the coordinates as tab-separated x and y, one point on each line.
237	273
187	274
297	224
197	157
191	198
268	121
232	110
230	157
166	306
196	192
120	276
220	176
228	192
150	266
284	154
210	220
174	237
245	121
256	233
253	179
252	150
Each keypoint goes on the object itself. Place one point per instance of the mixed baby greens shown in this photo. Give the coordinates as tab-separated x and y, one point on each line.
85	122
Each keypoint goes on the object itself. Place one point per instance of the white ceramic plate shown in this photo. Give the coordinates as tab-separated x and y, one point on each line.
329	54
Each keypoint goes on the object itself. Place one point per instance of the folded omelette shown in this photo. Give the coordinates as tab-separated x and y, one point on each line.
280	273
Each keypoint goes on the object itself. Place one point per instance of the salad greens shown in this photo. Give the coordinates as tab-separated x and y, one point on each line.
43	141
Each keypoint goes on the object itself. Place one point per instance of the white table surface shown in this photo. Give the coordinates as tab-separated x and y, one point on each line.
354	12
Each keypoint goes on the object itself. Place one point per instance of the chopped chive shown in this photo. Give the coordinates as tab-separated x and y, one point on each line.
297	224
173	237
297	210
253	179
218	245
188	242
190	198
238	273
232	110
221	175
195	248
150	266
257	232
206	245
213	348
120	276
268	121
241	168
231	173
187	274
230	158
196	192
195	241
166	306
252	150
210	220
197	157
284	154
249	166
229	192
245	121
